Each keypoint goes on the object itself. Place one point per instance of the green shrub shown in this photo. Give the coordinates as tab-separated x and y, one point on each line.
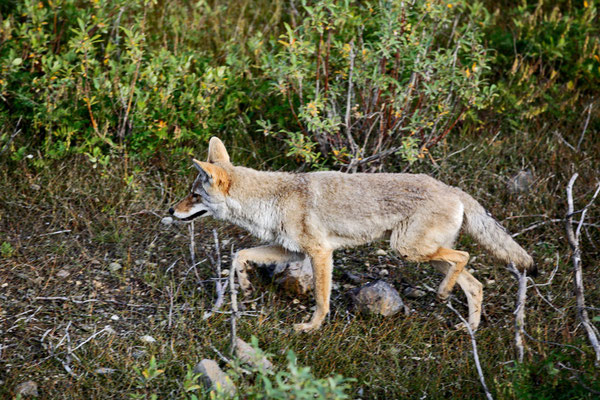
547	56
293	382
98	75
367	80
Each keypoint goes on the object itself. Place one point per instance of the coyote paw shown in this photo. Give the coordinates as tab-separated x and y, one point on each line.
246	290
442	297
308	327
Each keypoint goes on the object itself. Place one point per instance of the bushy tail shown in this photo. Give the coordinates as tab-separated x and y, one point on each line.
492	236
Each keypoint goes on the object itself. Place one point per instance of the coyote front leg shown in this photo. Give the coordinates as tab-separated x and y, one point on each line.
270	254
322	265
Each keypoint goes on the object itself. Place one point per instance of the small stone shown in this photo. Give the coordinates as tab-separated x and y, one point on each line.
115	318
413	293
63	273
114	266
380	252
490	282
29	388
35	186
225	272
384	272
377	298
214	378
104	371
166	221
137	354
353	278
147	339
247	354
108	329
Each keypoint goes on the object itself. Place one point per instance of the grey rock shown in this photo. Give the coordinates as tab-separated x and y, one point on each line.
413	293
295	277
167	221
353	278
521	182
63	273
214	378
137	354
378	298
114	266
247	354
104	371
29	388
147	339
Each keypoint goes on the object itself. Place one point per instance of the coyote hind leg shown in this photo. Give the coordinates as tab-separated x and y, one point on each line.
473	290
457	260
261	255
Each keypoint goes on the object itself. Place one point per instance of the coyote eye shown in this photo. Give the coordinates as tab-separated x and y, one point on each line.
195	195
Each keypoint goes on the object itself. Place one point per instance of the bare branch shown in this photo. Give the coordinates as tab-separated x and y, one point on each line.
573	239
234	306
520	309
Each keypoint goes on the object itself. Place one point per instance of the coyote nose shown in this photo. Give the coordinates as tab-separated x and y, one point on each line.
171	211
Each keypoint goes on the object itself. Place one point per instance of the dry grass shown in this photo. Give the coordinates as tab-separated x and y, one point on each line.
157	293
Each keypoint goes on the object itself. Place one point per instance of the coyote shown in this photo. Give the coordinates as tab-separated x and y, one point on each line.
313	214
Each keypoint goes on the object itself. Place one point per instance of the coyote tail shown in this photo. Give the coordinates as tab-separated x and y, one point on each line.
492	236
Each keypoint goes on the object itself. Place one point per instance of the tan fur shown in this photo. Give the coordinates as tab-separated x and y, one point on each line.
312	214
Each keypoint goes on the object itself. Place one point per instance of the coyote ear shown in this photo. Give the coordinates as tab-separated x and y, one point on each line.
213	175
217	151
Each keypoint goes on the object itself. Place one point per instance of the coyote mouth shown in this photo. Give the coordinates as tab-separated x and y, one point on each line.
191	217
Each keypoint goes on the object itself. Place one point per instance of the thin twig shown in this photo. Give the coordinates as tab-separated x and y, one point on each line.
15	133
573	239
587	121
219	286
351	141
488	395
234	306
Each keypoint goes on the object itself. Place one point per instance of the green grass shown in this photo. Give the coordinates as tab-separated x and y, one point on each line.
111	218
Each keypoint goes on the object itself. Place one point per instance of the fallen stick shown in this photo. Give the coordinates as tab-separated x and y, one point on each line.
488	395
573	238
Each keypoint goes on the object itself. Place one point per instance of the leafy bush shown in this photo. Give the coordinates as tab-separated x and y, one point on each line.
547	56
109	74
367	80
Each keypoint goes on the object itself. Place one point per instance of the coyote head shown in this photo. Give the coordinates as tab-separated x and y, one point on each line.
207	194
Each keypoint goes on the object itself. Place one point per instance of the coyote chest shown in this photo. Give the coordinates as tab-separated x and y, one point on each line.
262	219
